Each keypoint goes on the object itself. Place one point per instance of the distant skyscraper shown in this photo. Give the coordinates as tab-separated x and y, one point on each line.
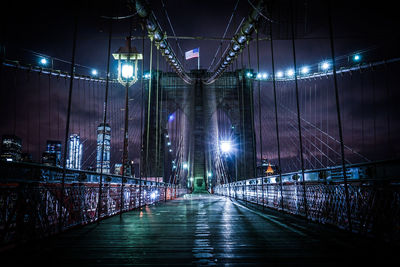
118	169
52	155
11	148
74	158
107	147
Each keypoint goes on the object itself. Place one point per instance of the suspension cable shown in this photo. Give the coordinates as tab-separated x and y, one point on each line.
276	117
237	44
148	109
104	121
223	36
141	127
339	117
259	99
259	12
298	111
172	28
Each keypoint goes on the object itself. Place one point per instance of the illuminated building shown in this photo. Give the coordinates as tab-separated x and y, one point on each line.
52	155
118	169
11	148
107	147
74	158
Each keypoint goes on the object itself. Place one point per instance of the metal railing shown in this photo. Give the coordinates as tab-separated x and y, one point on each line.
31	206
374	190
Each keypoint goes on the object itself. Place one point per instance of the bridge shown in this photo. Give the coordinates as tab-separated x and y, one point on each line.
121	147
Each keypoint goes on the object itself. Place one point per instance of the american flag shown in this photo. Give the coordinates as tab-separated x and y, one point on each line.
192	53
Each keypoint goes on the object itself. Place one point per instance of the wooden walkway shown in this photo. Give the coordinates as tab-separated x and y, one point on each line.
200	230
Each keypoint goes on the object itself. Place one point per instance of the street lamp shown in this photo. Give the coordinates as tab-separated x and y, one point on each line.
356	57
185	166
128	58
305	70
43	61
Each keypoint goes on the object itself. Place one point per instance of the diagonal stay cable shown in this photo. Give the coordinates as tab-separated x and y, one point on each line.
172	28
325	133
259	12
227	48
226	30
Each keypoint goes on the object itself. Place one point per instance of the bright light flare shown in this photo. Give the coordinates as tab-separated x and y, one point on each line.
290	72
94	72
225	146
325	65
279	74
43	61
305	70
127	71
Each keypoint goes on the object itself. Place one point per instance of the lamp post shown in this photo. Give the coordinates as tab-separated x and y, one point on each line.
128	58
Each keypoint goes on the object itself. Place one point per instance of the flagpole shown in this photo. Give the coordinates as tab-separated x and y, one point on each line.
198	60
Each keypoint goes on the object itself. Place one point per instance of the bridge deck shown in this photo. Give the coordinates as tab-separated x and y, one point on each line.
200	230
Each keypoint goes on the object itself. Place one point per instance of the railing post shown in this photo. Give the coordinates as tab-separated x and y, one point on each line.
256	191
165	192
262	189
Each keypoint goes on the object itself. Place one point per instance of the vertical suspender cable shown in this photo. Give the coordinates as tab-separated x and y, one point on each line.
29	119
77	113
242	118
362	113
259	99
276	117
15	103
141	128
177	138
126	126
39	120
72	71
252	116
338	117
157	133
244	191
105	107
298	113
241	140
374	110
148	108
160	115
49	106
388	110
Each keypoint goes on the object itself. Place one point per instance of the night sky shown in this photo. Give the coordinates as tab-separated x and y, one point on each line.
33	106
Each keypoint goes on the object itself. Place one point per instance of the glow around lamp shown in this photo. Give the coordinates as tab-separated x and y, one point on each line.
128	58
